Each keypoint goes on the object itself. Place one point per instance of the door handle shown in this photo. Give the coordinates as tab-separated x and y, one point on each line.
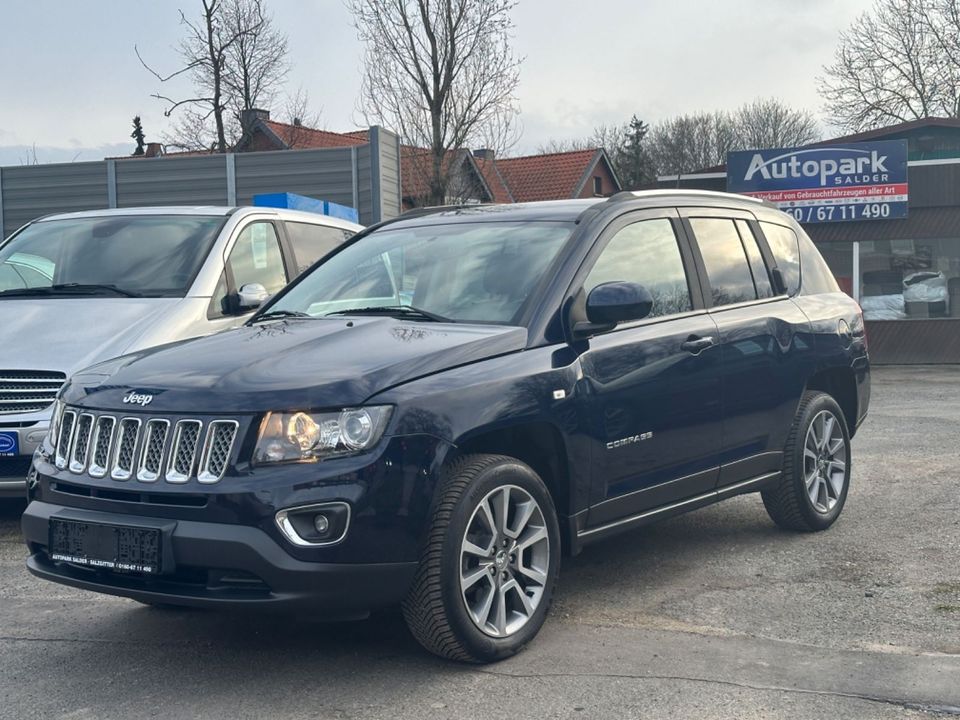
696	345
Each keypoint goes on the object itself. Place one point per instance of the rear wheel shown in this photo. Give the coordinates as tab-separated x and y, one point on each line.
488	571
812	489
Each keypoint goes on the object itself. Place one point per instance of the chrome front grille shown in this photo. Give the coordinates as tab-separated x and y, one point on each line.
23	391
146	449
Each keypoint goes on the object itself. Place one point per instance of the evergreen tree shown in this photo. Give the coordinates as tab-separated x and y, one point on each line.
632	160
137	135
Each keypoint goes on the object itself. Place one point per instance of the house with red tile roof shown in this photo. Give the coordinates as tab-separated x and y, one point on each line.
475	177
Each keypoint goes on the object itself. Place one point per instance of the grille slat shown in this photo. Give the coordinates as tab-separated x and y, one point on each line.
125	449
101	444
183	450
151	455
28	390
81	443
216	450
67	423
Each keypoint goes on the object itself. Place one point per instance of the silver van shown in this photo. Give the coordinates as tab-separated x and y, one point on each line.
79	288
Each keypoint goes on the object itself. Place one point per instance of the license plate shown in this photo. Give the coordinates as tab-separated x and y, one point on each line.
111	547
9	443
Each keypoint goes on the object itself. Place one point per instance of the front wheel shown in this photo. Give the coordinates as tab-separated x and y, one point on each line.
813	486
490	564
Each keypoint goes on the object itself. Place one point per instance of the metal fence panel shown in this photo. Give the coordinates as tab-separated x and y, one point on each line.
389	174
192	180
32	191
325	174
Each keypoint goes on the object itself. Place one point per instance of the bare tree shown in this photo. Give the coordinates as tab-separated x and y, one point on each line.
235	59
688	143
301	117
692	142
899	61
771	123
256	63
441	73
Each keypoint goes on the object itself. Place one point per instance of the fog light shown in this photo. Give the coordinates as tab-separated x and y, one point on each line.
321	524
315	525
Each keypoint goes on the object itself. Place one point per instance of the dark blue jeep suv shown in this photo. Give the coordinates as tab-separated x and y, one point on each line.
443	406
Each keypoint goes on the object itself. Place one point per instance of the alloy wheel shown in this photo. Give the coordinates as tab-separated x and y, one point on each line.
824	461
504	561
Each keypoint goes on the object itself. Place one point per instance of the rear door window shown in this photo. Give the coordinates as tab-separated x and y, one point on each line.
785	247
725	260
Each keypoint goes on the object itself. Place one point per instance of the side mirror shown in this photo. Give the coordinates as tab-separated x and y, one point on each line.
615	302
251	296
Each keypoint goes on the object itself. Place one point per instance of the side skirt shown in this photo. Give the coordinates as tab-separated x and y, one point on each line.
589	535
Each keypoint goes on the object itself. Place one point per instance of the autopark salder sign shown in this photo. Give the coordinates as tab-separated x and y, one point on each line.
834	183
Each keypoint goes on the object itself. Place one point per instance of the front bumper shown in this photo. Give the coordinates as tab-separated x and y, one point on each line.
223	546
222	565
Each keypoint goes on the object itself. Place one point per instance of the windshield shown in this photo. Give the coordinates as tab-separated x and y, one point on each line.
471	272
152	256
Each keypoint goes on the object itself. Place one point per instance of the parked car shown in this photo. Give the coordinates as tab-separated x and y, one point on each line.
450	401
83	287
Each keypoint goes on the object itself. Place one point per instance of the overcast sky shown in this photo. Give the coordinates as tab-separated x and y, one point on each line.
71	81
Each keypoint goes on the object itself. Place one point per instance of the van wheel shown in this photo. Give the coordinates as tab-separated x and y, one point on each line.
813	486
490	564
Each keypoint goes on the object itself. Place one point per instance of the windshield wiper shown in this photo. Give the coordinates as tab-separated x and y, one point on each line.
93	287
276	314
69	288
408	311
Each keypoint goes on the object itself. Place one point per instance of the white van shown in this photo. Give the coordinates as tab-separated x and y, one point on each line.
79	288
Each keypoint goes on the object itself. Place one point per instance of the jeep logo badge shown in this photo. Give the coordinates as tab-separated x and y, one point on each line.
135	398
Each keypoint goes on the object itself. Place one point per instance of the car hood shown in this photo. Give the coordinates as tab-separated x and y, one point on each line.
289	365
67	334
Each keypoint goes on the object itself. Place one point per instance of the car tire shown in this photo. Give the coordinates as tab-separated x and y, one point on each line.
484	586
812	489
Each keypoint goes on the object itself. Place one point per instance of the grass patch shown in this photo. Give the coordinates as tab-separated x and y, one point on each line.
948	608
947	588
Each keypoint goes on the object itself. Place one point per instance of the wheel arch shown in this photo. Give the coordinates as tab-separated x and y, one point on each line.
840	383
540	445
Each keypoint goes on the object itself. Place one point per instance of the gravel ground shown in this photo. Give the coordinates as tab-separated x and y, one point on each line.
715	614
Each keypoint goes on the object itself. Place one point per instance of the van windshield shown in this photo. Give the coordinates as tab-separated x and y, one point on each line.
139	256
465	272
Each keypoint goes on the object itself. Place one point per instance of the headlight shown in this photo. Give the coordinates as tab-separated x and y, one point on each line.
308	437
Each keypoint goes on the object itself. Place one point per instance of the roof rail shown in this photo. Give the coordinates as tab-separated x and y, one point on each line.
432	209
662	192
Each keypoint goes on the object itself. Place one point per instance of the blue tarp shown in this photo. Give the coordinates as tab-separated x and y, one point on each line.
292	201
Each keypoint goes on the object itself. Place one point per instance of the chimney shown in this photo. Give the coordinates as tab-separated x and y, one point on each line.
153	150
249	117
485	154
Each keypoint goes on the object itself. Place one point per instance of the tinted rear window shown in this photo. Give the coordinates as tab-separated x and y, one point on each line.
725	260
785	247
